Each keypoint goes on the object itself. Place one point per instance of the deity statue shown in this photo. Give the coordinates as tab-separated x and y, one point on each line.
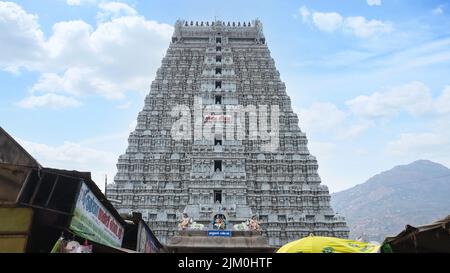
244	226
186	221
219	221
197	226
254	223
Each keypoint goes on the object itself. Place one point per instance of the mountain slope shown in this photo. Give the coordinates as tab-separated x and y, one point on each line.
415	194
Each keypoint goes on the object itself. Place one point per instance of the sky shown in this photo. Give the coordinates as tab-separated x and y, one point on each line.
369	79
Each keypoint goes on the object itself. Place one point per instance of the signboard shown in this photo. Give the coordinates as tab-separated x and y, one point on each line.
146	242
217	119
221	233
94	222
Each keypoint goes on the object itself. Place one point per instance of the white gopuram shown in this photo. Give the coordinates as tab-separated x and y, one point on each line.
218	133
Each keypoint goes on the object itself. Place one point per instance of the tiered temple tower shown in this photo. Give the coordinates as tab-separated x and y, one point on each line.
223	65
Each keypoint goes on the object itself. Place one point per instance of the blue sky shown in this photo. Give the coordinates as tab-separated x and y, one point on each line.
370	79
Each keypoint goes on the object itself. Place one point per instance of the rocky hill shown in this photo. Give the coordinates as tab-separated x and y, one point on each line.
415	194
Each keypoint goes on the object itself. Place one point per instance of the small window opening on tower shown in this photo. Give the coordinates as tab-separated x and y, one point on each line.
218	99
218	71
218	84
218	196
219	40
218	59
171	216
217	141
217	166
218	48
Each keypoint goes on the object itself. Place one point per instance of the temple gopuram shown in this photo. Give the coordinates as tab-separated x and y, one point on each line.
217	147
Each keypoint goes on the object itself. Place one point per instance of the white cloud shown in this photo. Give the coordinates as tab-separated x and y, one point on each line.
353	130
322	150
67	153
355	25
321	117
49	82
329	21
74	156
80	2
110	10
386	56
79	81
98	61
423	142
329	119
97	155
374	2
423	54
341	58
438	10
433	143
68	38
118	55
433	146
361	27
414	97
51	101
124	105
442	104
21	39
305	13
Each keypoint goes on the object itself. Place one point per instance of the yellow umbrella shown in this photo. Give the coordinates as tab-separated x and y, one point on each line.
317	244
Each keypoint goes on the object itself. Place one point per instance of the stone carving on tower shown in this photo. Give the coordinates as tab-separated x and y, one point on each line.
219	75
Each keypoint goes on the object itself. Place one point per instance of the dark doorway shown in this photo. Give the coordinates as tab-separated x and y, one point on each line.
217	142
217	165
218	84
218	196
218	99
